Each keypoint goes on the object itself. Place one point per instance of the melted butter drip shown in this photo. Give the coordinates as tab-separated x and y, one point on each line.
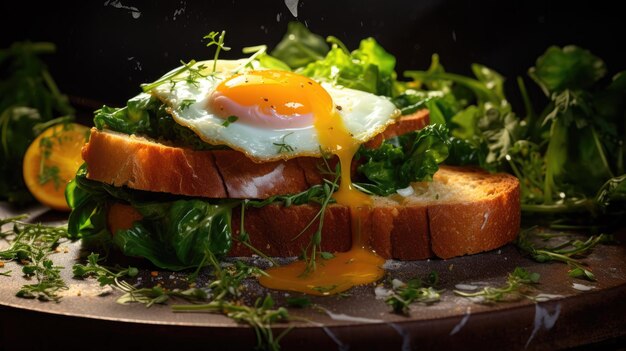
358	266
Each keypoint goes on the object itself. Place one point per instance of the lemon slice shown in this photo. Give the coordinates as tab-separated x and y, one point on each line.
52	160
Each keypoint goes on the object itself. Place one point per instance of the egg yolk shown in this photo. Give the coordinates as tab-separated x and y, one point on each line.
271	99
282	100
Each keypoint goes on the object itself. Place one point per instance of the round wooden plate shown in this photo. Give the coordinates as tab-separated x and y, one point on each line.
566	316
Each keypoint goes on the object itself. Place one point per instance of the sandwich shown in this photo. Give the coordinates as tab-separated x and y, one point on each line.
241	157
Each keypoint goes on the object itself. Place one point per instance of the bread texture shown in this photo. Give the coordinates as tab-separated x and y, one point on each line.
462	211
144	164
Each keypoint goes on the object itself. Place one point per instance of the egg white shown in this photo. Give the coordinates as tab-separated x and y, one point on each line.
364	115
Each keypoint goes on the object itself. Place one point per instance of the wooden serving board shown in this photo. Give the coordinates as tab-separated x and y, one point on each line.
568	317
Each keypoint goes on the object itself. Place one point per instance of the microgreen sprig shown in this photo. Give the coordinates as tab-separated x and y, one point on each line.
568	252
517	284
218	41
32	245
414	290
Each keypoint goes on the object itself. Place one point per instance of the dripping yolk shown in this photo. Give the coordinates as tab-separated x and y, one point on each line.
281	99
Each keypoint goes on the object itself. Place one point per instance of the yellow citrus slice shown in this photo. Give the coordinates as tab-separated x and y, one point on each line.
52	160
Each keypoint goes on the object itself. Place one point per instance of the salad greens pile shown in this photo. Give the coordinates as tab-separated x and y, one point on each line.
29	103
569	155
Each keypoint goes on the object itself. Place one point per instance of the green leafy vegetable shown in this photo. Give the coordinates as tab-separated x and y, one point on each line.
563	156
299	46
412	157
146	115
29	99
173	234
369	68
566	68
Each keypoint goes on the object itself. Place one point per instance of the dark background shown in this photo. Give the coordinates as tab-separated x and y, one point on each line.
104	52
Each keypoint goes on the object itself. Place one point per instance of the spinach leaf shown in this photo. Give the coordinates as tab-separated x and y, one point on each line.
173	234
413	157
146	115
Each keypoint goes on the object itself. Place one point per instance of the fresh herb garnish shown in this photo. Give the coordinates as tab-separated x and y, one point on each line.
568	251
414	290
104	275
517	285
186	103
6	273
260	317
310	252
32	245
283	146
230	120
226	292
244	238
219	43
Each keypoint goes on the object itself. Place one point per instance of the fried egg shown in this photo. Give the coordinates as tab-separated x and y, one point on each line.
272	114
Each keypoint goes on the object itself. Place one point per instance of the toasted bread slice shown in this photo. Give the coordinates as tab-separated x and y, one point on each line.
462	211
140	163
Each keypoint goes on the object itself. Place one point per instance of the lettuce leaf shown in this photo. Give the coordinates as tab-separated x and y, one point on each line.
299	46
369	68
174	234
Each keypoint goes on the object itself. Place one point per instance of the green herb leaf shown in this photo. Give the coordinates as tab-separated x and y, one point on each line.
229	120
299	302
564	68
32	244
517	286
299	46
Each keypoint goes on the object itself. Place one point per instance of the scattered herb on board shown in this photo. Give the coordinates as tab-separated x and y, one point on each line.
518	285
31	245
567	251
414	290
225	296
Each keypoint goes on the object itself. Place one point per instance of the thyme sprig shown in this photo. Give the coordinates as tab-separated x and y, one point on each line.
32	245
260	317
518	283
104	275
569	251
226	292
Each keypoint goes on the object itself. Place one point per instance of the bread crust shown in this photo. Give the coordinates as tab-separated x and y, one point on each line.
143	164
